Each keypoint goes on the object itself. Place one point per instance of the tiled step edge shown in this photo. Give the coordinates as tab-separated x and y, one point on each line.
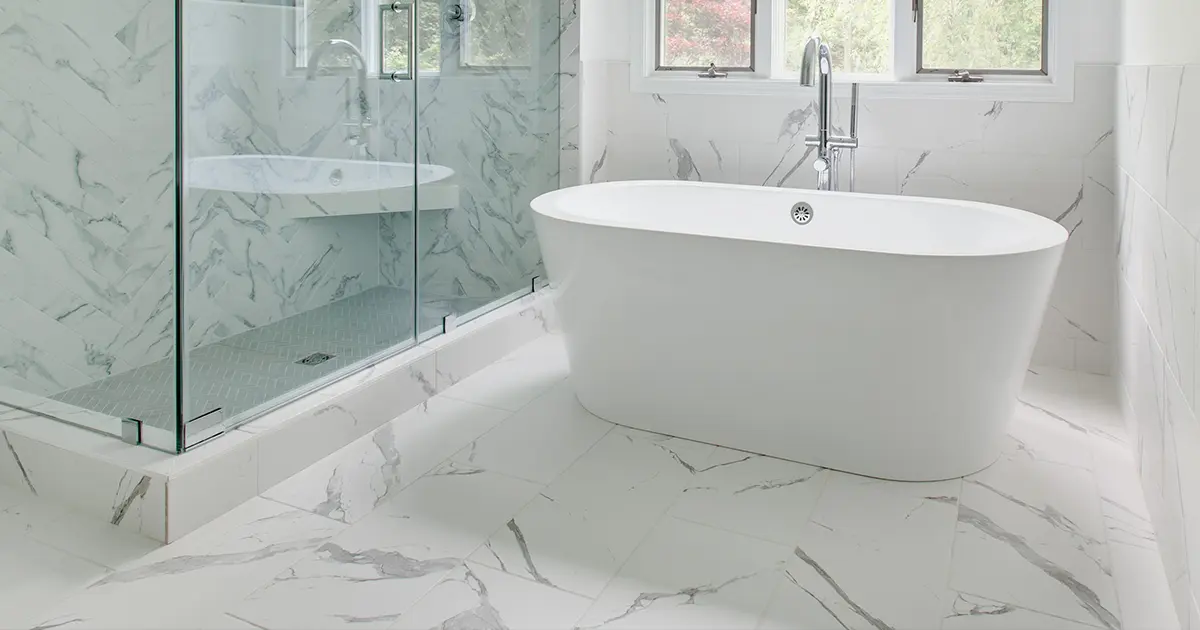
164	497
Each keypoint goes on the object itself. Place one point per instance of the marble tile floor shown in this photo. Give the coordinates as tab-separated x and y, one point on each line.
503	504
251	368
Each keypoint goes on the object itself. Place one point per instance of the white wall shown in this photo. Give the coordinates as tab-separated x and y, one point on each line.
1158	123
1056	159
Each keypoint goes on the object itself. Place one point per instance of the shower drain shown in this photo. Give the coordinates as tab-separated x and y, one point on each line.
316	358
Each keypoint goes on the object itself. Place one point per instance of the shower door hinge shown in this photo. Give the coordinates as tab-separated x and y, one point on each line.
131	431
449	323
200	428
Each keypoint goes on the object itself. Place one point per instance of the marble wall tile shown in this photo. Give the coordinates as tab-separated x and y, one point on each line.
594	128
289	448
1165	500
466	350
1157	129
570	94
128	499
1145	592
1156	257
1055	159
508	133
1183	153
199	494
85	126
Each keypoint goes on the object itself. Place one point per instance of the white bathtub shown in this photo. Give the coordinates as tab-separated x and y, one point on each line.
888	337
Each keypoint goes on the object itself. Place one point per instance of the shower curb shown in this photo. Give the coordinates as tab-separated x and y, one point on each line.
164	497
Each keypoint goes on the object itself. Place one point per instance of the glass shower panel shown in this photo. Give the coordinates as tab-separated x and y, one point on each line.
491	115
299	235
87	208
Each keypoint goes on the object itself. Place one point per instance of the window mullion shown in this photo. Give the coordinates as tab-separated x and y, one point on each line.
904	40
766	40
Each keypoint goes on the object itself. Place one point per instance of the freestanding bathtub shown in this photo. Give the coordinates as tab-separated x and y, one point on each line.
887	337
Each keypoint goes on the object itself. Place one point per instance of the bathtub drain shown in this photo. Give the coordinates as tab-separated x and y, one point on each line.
802	213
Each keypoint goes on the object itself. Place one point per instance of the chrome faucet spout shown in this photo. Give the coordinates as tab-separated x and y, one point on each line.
809	61
816	69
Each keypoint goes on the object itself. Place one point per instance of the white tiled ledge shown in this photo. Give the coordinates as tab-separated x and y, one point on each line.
163	497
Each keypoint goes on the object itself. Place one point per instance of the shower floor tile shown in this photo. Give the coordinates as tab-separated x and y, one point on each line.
461	514
244	371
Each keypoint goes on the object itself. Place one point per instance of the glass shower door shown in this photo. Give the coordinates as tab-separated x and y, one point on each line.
489	111
299	231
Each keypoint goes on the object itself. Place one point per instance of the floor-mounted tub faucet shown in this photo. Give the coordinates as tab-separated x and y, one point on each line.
358	106
817	69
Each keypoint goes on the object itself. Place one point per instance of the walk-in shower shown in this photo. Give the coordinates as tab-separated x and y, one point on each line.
211	207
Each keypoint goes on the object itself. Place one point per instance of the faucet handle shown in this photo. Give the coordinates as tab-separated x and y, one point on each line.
821	165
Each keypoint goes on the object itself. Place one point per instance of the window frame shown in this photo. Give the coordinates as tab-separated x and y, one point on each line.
660	38
770	77
1044	70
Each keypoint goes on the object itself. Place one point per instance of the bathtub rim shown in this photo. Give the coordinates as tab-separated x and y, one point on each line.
550	205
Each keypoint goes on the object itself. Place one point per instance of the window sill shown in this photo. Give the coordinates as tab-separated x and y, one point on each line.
1061	90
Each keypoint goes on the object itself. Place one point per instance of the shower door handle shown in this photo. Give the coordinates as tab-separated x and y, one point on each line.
411	9
456	13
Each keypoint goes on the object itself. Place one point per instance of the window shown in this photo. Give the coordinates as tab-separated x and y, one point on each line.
696	33
396	37
859	33
874	41
984	36
497	34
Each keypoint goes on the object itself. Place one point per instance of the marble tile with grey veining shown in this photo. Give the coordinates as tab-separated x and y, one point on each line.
750	494
970	612
358	588
578	531
349	484
690	575
208	570
475	597
875	554
1030	533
